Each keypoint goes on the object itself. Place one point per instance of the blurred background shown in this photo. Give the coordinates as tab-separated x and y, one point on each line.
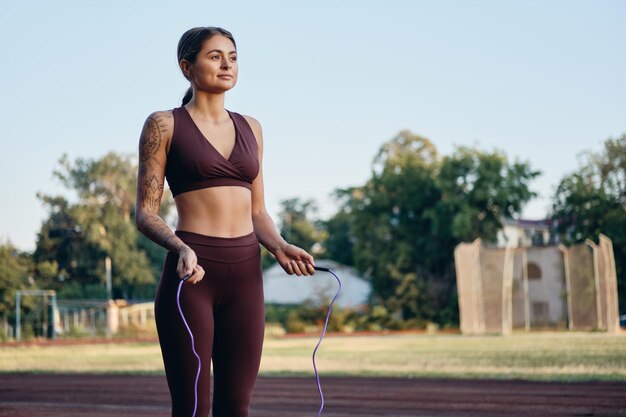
394	132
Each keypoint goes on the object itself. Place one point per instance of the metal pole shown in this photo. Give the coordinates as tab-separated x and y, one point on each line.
568	285
526	290
18	333
53	319
45	325
107	263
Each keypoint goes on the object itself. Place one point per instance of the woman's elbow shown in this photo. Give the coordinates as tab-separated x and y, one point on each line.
140	220
258	213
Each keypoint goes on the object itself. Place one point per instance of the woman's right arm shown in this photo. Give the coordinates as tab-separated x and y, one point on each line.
156	133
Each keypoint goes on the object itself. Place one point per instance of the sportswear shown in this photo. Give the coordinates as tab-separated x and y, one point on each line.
194	163
225	313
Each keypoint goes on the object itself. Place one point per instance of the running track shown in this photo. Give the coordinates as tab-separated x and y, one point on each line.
70	395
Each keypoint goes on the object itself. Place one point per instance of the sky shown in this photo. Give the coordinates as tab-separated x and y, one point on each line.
329	81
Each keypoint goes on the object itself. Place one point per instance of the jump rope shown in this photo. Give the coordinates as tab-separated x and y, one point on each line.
193	345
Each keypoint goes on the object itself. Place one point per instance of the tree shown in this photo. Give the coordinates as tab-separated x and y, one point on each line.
417	206
592	200
297	226
339	244
478	190
79	236
15	269
64	260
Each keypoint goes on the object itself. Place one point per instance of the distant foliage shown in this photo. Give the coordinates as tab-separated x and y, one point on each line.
402	225
592	200
298	226
15	274
92	220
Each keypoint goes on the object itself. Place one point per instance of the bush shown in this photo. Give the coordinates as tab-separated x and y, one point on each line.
274	330
132	331
309	317
294	323
76	332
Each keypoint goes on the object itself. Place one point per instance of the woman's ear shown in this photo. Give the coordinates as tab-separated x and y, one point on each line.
185	67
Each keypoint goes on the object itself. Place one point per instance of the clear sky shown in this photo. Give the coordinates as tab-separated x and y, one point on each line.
330	82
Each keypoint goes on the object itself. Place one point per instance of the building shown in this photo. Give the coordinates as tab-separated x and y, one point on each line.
282	288
526	233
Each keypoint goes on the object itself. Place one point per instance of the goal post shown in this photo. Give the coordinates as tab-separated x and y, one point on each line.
49	311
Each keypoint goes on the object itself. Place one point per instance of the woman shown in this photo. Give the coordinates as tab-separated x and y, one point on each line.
212	160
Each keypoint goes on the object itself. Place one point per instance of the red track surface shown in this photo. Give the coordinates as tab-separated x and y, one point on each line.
70	395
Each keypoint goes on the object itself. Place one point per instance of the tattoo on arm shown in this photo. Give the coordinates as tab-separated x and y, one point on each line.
150	181
152	135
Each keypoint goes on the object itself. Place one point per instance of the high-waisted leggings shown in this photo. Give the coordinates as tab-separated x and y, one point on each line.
226	315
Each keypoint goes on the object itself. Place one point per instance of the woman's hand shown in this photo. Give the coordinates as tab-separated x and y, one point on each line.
188	263
295	260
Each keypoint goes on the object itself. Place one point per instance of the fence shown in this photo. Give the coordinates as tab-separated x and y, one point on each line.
75	318
501	289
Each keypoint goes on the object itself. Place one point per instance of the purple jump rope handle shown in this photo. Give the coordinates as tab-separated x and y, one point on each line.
193	344
317	377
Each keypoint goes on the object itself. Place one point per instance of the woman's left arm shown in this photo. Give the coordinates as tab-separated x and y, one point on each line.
292	258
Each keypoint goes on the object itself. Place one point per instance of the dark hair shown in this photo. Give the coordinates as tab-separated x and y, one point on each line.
190	45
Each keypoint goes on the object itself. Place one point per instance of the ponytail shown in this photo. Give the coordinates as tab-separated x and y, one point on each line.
188	96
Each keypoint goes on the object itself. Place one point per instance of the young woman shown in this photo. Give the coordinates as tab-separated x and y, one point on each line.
212	160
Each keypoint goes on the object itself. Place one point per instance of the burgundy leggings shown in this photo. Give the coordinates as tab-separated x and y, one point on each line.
226	315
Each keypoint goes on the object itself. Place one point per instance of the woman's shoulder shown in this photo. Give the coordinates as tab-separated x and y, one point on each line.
251	120
162	117
159	128
254	124
163	122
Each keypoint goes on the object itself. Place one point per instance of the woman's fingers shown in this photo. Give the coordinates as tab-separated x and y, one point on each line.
300	263
307	268
294	267
309	258
185	266
304	267
305	262
289	267
182	270
188	265
299	267
197	275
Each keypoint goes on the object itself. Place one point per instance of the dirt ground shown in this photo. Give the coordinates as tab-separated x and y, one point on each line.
69	395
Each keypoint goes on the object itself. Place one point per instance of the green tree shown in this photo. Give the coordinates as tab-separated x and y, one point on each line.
339	244
298	226
592	200
296	223
408	217
479	189
15	270
80	235
388	222
64	260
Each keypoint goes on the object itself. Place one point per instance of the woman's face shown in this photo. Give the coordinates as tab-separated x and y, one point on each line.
215	69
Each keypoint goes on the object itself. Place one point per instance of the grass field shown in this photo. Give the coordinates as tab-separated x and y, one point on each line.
537	356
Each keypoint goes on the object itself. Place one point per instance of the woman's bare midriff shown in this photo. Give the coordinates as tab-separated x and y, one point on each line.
224	211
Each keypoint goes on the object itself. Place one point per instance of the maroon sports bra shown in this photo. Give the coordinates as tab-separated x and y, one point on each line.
194	163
